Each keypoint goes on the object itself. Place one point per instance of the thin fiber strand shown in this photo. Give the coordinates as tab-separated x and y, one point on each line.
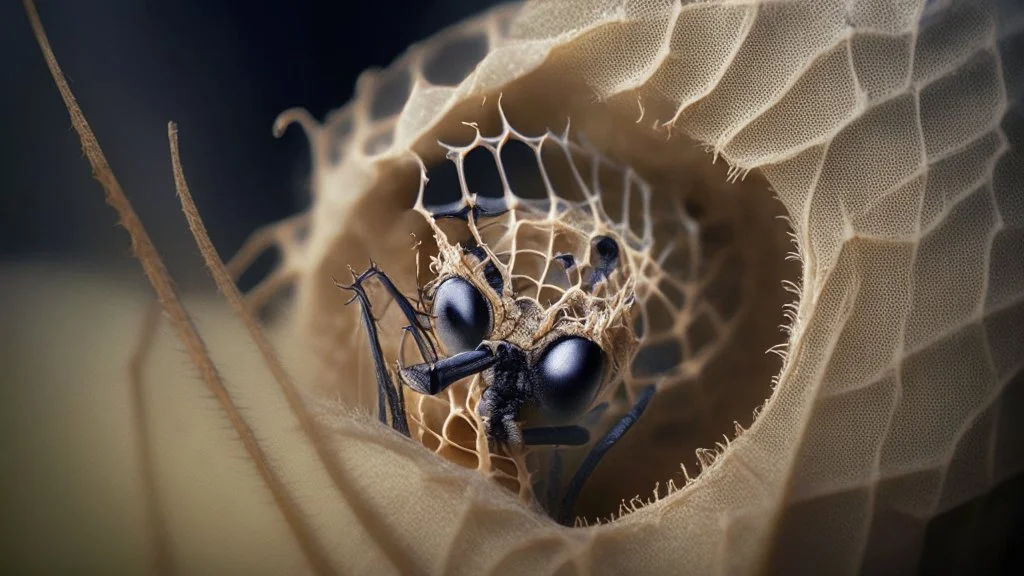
160	279
367	517
156	522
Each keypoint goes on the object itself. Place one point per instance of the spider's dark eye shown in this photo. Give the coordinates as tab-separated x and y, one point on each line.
463	316
569	372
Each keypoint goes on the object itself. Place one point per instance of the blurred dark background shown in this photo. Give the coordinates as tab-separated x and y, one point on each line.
221	69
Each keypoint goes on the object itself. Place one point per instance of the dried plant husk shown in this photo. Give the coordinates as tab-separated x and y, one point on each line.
888	135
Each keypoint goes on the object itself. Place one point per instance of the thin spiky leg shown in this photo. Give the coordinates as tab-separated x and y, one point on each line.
385	386
598	451
434	378
419	323
572	435
554	480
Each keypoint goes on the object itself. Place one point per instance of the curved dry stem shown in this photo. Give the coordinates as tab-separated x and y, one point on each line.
368	518
156	272
153	511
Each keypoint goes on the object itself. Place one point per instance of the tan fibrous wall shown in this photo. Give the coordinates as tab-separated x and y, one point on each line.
888	133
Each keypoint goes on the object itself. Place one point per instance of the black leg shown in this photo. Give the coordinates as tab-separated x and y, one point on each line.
385	387
565	511
433	378
554	480
419	323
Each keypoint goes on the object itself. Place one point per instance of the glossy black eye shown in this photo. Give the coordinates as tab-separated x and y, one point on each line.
463	318
569	373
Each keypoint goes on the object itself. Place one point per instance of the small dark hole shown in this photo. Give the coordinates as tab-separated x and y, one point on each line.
442	186
522	171
657	358
482	176
559	170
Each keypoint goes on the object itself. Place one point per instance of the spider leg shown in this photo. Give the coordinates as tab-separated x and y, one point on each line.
385	387
554	479
598	452
432	378
564	435
419	322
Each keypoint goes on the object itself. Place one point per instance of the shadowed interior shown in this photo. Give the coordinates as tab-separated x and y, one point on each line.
712	309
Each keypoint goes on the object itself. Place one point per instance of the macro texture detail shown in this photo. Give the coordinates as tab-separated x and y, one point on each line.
837	182
887	132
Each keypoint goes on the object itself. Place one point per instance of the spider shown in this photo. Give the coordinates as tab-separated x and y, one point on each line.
551	359
535	365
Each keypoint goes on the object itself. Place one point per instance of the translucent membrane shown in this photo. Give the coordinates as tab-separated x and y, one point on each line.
889	134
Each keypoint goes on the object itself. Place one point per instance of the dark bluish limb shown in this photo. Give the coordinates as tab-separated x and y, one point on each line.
400	407
556	436
565	512
382	413
417	325
385	387
431	379
554	480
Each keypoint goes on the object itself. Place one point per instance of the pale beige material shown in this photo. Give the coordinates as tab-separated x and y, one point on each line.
650	315
887	132
882	139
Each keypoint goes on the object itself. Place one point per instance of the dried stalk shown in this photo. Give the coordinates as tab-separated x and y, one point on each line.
152	264
368	518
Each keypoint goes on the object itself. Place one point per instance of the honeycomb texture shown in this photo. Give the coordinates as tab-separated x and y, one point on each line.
888	130
543	249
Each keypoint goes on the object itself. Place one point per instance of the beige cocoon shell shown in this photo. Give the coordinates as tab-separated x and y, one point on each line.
888	133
